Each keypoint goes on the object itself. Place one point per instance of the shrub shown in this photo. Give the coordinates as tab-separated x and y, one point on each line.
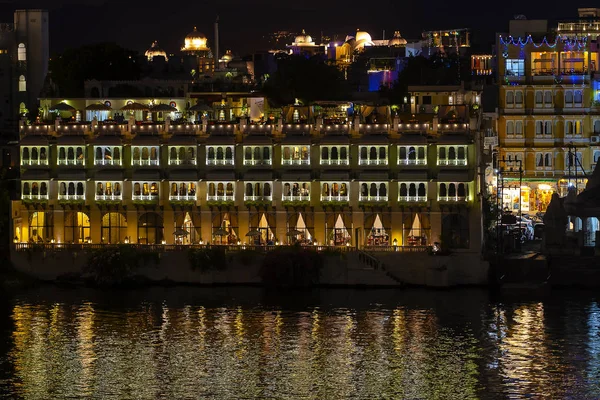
208	258
114	265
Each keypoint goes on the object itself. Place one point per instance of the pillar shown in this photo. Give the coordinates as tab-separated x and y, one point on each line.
132	223
358	220
396	233
243	222
319	228
282	228
436	226
206	225
95	224
59	225
168	217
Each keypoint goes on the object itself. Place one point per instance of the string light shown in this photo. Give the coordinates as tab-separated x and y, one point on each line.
579	42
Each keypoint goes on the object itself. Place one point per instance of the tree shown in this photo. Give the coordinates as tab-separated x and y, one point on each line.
306	79
103	61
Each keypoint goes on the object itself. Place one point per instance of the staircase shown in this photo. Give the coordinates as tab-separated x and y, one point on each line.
373	262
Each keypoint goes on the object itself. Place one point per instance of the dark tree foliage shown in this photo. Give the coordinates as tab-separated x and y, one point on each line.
306	79
291	267
102	61
5	234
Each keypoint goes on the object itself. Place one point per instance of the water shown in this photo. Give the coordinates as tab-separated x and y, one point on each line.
190	343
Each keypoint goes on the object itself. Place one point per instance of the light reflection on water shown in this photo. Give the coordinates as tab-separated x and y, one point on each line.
157	350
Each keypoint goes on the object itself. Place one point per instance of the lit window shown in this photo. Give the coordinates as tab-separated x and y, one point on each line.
22	52
515	67
22	84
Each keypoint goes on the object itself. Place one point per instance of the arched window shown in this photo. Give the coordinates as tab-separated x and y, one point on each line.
248	189
442	153
421	191
452	190
548	128
182	189
71	189
113	228
569	127
510	128
461	153
568	97
373	153
181	154
145	154
43	189
403	190
548	159
70	154
219	153
539	97
540	160
267	190
578	97
26	151
34	154
80	189
548	97
373	190
402	155
137	191
364	190
26	188
266	153
382	153
257	154
229	191
597	126
22	52
258	189
334	153
63	189
461	192
228	153
451	153
173	189
343	190
443	191
43	155
248	153
325	191
382	189
510	97
153	153
77	227
210	153
305	153
343	153
286	153
22	84
220	189
412	190
519	97
286	190
519	127
539	127
191	153
61	154
99	189
173	154
421	153
79	153
35	190
211	189
325	153
150	228
412	153
363	153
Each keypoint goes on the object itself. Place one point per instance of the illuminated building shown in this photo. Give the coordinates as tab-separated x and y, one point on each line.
195	44
547	117
155	51
315	174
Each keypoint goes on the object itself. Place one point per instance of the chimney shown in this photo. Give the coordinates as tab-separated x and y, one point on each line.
217	43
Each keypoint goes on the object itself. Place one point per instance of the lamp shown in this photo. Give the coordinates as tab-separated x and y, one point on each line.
126	240
164	241
395	242
239	242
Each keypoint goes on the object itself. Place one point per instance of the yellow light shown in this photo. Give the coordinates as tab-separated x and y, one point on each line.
544	186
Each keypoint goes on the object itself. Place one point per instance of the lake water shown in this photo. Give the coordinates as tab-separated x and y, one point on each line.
230	343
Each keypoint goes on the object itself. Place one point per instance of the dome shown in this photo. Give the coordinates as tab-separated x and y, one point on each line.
228	56
155	51
303	39
363	39
397	40
195	41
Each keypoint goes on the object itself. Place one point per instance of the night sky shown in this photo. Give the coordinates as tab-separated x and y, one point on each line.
135	24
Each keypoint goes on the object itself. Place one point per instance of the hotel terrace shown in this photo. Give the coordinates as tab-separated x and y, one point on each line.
332	174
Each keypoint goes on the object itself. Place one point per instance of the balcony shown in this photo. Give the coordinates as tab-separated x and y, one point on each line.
70	162
34	197
145	162
372	198
296	198
412	162
107	162
71	197
373	162
109	197
145	197
258	198
295	162
220	198
258	162
185	197
212	161
182	162
34	162
335	198
452	162
456	199
335	162
412	199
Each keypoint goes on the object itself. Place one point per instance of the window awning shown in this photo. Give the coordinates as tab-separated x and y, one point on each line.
64	175
220	176
335	176
258	176
419	176
108	175
35	174
145	140
454	176
145	175
75	140
296	176
184	175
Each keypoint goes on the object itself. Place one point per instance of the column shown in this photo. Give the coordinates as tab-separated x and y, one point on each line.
59	225
168	217
95	224
132	222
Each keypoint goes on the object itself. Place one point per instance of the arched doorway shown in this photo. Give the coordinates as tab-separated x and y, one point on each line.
338	230
113	228
298	229
77	227
455	231
377	234
41	227
150	228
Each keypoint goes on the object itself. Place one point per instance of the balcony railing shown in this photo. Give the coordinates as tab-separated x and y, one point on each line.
220	198
372	198
452	162
145	197
412	198
213	161
403	161
71	197
34	197
374	162
109	197
185	197
295	162
258	162
70	162
145	162
34	162
335	162
296	198
182	162
107	162
258	198
452	198
334	198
